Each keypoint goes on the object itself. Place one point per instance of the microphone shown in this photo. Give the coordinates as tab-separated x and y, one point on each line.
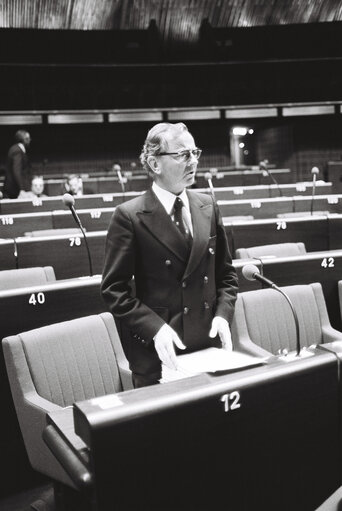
69	201
251	272
207	177
121	179
263	165
314	172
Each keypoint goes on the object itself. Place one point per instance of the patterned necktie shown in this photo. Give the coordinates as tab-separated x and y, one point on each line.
179	220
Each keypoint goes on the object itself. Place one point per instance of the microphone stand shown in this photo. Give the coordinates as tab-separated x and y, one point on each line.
294	316
313	194
67	198
88	251
263	166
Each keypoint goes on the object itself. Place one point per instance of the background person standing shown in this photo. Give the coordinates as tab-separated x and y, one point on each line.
18	169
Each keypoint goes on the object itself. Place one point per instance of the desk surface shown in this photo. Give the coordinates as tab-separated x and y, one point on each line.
181	434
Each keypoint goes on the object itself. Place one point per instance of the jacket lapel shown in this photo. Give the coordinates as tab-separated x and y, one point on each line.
201	214
160	225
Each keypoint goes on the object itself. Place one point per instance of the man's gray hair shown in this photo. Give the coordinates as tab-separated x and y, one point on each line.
156	141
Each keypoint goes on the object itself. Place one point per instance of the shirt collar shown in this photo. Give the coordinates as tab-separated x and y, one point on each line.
22	147
168	198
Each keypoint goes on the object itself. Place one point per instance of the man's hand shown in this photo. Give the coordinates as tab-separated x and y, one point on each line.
220	326
163	341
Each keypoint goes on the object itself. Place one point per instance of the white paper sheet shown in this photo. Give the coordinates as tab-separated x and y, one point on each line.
208	360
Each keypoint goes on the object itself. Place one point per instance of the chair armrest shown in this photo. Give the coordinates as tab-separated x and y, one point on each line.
125	375
330	334
76	470
40	403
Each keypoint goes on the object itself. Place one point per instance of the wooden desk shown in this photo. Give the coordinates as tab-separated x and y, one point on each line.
15	206
312	231
66	254
332	203
197	418
92	219
323	267
7	255
258	208
17	225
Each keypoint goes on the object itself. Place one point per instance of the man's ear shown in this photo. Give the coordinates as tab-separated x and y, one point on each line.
153	164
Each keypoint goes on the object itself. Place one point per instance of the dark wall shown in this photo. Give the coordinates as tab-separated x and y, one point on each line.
296	143
89	70
96	146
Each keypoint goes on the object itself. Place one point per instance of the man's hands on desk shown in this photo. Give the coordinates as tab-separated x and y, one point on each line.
166	337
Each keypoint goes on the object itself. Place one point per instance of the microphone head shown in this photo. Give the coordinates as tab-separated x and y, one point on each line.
68	200
249	271
263	165
315	170
207	176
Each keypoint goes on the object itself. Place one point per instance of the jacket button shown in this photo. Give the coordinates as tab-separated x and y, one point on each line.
168	262
184	284
186	310
206	305
205	280
211	251
143	341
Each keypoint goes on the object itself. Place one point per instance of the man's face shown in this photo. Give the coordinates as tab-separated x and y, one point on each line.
177	172
75	185
27	140
37	186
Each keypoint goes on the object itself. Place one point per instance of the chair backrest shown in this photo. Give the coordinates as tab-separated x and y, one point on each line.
265	318
73	360
26	277
54	366
276	250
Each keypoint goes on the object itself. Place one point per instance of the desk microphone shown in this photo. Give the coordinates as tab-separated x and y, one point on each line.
314	172
69	201
207	177
263	165
251	272
121	179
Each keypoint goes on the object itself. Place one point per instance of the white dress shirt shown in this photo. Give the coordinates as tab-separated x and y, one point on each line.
168	201
22	147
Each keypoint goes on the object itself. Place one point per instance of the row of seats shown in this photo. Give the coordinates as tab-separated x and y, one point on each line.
98	218
110	184
317	234
15	206
48	368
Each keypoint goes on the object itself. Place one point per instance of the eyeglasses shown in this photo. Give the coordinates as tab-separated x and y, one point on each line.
184	156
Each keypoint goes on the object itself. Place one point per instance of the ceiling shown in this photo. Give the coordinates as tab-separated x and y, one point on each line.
176	19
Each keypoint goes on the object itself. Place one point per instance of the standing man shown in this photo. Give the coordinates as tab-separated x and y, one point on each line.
174	244
18	169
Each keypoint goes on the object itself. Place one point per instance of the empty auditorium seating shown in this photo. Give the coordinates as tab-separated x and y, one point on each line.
263	321
13	279
277	250
52	367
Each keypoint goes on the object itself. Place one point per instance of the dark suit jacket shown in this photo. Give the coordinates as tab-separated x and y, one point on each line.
18	172
171	286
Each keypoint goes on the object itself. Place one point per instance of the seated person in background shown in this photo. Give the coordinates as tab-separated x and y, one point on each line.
74	185
36	192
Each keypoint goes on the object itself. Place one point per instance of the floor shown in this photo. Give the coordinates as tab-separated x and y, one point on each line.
41	496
